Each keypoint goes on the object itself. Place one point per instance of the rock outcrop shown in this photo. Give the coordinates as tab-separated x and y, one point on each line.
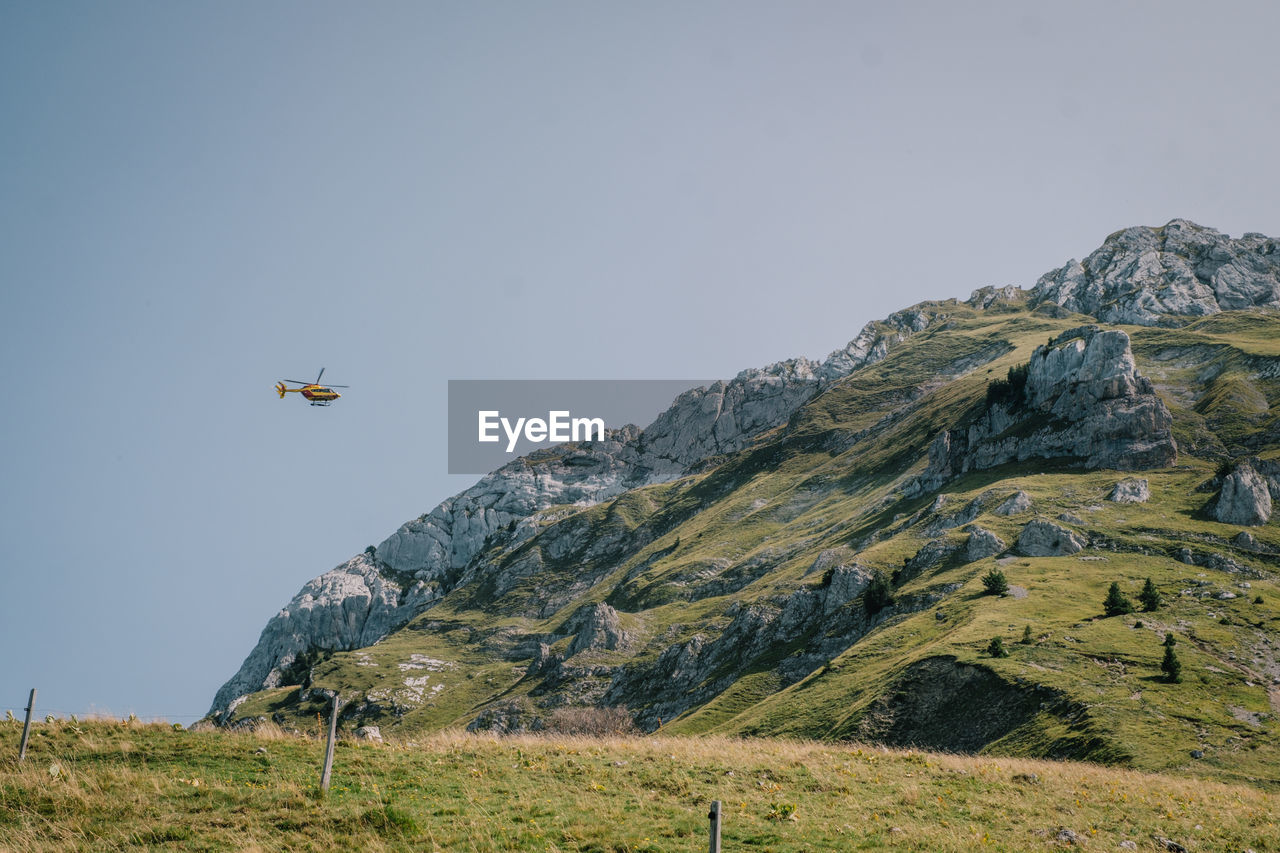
1132	490
1081	397
352	606
1017	502
598	627
1154	276
982	543
1042	538
1244	499
873	342
844	585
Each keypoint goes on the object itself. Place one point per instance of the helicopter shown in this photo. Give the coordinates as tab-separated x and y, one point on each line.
316	394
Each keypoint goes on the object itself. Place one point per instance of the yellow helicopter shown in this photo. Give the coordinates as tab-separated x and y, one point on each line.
316	394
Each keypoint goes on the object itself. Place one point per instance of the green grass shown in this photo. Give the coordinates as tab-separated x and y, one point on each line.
110	786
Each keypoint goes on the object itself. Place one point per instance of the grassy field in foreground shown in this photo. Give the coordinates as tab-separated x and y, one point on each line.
109	785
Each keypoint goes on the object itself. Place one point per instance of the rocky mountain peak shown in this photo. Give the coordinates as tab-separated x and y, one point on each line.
1152	276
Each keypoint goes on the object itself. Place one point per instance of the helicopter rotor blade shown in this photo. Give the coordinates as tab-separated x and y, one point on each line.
317	382
337	386
296	382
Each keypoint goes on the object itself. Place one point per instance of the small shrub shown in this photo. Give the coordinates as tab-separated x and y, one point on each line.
1027	639
1138	624
1116	603
995	583
1170	640
1257	599
879	593
1171	666
614	721
996	648
1150	596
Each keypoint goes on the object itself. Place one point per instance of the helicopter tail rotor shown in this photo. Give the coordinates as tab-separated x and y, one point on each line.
281	389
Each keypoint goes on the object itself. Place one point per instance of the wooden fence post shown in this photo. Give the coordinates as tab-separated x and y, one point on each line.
26	727
328	752
714	817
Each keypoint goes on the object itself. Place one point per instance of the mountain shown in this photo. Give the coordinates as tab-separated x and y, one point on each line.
801	550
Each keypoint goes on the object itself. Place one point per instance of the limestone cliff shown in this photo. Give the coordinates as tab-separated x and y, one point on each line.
1080	397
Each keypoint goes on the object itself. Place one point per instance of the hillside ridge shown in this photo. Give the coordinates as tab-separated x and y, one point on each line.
783	552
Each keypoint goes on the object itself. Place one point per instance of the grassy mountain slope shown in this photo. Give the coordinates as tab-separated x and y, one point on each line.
715	578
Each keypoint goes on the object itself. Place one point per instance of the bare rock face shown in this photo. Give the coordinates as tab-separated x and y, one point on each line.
1042	538
1152	276
982	544
963	516
932	554
847	582
597	628
1082	398
985	297
1244	499
1017	502
351	606
1130	491
873	342
1246	540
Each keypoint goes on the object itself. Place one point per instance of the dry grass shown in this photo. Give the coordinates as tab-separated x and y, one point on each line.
143	787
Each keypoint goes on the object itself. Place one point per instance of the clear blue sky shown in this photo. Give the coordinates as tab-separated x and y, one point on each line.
198	199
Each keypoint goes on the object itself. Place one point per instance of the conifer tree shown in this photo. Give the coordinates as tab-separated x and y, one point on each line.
1171	666
995	583
1116	604
1150	596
